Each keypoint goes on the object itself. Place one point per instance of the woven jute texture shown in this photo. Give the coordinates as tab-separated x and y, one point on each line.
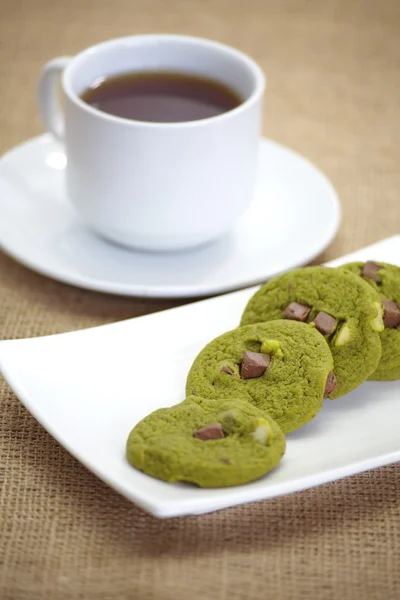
333	72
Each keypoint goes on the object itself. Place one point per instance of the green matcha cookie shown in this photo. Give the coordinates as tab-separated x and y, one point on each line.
282	367
385	279
206	442
346	310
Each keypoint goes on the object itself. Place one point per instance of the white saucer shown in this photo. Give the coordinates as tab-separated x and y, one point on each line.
294	216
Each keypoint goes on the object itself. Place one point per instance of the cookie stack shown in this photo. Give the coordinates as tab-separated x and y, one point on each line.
309	334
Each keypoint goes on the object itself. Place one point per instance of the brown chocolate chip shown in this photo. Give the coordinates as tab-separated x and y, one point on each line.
330	385
227	370
391	314
370	270
296	312
254	364
209	432
226	460
325	323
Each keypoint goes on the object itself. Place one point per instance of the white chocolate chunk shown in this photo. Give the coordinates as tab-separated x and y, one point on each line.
377	322
343	336
260	433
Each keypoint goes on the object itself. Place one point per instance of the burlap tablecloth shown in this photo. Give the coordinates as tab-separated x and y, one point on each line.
333	94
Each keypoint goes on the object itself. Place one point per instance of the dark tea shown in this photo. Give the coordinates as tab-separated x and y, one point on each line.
162	97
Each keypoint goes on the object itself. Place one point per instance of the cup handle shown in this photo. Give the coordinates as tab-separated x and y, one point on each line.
49	107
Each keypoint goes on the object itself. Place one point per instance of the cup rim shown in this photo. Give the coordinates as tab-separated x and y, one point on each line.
251	64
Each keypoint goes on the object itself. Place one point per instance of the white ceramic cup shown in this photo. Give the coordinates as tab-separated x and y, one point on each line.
156	186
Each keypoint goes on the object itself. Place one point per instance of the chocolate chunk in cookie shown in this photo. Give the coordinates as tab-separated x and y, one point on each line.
325	323
370	270
330	385
254	364
296	312
209	432
391	314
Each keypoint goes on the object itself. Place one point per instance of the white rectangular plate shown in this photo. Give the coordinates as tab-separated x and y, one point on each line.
89	388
